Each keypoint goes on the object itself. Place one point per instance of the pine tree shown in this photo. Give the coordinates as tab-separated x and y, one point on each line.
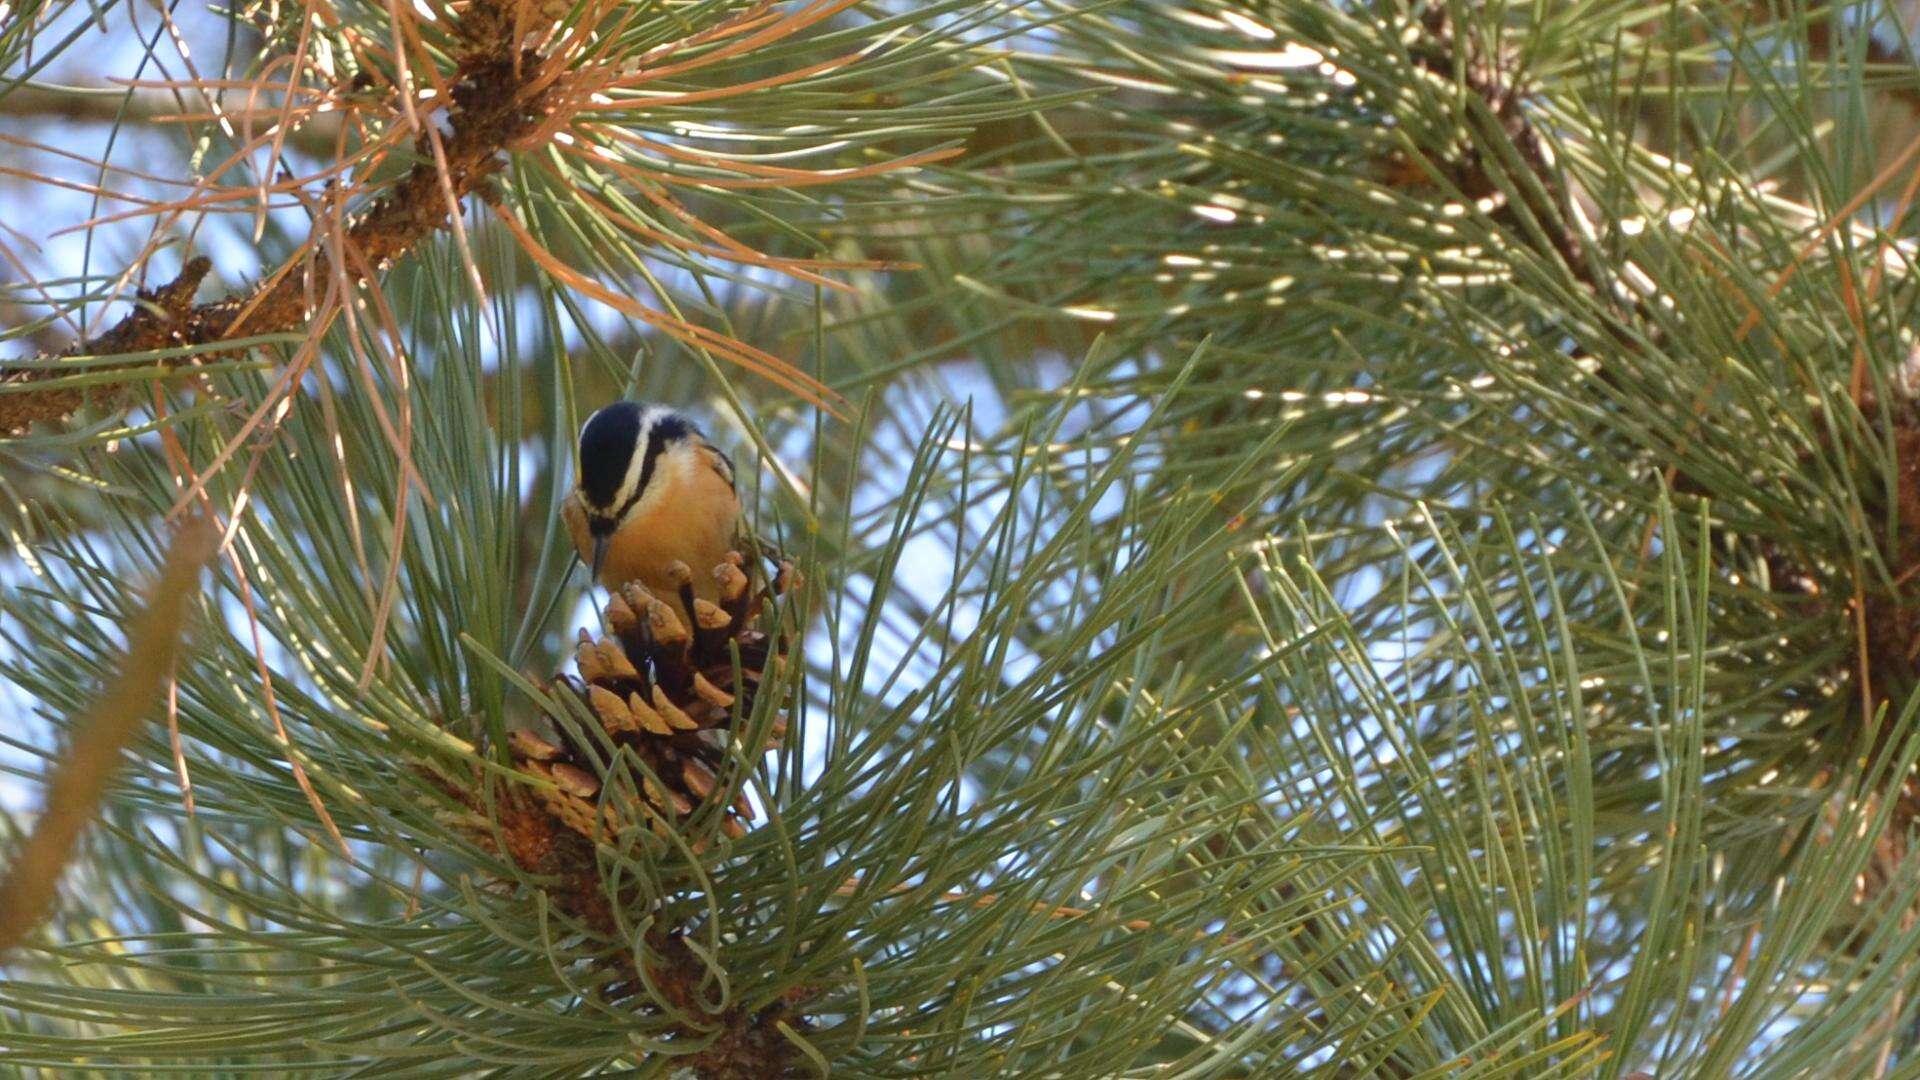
1353	540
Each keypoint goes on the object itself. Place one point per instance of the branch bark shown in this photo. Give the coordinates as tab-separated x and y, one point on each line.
494	102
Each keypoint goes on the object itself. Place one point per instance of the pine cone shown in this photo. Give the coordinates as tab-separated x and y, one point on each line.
666	693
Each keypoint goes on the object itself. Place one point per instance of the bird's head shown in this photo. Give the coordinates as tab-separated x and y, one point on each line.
621	447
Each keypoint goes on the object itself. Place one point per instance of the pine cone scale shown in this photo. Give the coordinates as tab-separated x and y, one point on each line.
665	690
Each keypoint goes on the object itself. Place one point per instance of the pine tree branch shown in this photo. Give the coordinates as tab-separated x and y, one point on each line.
1547	198
746	1044
740	1043
495	101
1887	622
156	322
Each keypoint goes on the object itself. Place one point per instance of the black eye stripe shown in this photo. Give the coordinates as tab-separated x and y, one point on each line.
655	445
722	465
666	431
624	507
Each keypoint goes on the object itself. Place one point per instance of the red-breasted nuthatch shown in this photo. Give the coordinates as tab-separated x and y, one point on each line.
651	492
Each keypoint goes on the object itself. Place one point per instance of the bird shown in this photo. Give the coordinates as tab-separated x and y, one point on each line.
651	495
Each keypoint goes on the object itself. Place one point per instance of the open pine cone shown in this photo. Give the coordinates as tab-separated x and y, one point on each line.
667	693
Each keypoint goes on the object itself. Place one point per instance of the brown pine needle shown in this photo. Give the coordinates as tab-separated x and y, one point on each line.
729	249
268	698
773	31
688	97
775	370
92	163
1832	224
93	758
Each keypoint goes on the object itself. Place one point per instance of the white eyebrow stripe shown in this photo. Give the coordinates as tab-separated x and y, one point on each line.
634	459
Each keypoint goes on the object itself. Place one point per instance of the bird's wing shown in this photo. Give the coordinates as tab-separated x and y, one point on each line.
718	460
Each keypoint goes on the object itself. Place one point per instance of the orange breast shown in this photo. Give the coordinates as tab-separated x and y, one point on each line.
689	515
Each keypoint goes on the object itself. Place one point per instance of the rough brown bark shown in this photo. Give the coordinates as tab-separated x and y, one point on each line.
492	105
154	323
746	1043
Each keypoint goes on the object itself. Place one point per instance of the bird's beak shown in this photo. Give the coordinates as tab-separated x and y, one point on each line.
599	552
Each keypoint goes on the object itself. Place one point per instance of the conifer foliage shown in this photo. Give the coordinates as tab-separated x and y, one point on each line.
1367	539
